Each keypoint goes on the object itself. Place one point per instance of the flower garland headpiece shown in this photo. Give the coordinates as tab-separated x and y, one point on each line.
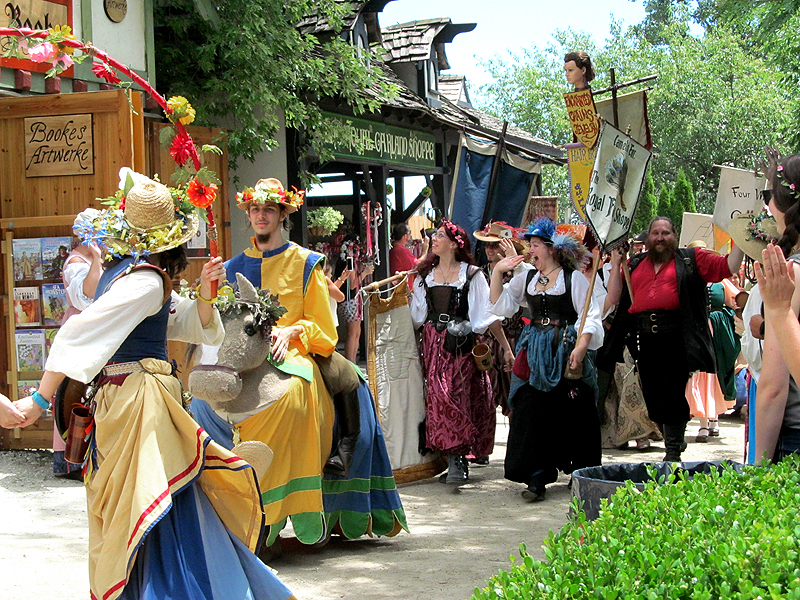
271	190
794	191
755	227
452	228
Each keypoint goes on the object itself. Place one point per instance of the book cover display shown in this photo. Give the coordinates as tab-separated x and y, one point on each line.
54	303
27	257
26	307
30	349
26	387
54	253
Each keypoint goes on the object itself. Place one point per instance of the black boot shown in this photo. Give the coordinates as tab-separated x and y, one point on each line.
674	434
348	415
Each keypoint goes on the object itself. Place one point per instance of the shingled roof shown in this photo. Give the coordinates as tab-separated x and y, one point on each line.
454	88
410	42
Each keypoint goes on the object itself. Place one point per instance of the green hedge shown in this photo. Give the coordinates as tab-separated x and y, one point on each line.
722	535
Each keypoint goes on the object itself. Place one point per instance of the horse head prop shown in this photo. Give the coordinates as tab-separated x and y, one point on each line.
242	380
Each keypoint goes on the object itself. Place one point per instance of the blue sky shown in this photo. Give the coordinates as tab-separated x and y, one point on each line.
510	24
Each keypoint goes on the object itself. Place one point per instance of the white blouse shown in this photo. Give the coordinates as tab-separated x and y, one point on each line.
513	297
74	274
479	306
88	340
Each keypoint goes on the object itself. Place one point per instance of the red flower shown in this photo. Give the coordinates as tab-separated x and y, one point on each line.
181	148
102	71
201	195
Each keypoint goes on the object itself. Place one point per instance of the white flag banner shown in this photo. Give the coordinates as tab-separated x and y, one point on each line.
738	193
697	227
614	187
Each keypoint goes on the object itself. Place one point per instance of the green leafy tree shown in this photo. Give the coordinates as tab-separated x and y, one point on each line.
647	205
683	195
715	100
664	206
245	66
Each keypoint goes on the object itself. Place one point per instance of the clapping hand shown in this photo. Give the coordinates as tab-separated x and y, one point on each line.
775	279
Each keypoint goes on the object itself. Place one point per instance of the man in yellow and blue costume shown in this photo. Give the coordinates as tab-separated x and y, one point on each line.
300	429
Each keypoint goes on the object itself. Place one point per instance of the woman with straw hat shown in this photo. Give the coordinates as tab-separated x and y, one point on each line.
171	513
500	241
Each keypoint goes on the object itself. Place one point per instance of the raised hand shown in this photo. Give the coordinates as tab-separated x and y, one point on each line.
775	279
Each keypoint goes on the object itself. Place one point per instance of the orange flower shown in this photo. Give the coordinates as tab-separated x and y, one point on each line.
201	195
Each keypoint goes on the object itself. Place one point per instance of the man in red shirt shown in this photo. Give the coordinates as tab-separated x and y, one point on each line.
400	257
665	321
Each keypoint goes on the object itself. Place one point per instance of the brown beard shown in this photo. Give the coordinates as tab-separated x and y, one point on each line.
662	256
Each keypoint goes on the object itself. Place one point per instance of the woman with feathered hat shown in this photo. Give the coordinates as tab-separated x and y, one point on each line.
542	398
171	513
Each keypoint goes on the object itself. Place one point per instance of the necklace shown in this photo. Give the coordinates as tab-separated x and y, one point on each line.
446	280
544	279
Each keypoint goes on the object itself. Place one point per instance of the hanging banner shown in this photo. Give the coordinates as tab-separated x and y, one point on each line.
631	112
580	162
738	192
583	116
616	181
697	227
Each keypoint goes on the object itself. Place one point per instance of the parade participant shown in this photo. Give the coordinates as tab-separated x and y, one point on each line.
579	70
153	530
351	309
450	301
299	426
778	400
669	319
334	290
500	241
81	271
542	397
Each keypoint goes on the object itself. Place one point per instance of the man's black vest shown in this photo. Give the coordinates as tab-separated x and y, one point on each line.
693	313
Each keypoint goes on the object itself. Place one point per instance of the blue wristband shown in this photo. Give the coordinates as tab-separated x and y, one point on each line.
40	400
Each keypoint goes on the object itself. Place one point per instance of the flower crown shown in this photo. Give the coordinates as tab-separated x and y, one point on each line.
452	228
260	195
266	312
793	191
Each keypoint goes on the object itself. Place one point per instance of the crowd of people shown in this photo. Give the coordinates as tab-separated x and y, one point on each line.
664	335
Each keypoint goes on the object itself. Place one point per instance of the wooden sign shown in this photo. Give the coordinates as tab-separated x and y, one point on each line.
59	145
583	116
116	9
540	206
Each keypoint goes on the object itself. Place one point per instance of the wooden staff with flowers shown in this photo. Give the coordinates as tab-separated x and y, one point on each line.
57	46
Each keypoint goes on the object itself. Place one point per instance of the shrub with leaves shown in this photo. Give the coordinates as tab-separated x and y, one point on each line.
722	535
326	218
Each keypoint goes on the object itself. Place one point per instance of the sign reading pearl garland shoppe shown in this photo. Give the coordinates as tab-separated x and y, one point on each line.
362	139
60	145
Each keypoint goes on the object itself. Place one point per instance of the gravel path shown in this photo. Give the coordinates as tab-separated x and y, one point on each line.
458	538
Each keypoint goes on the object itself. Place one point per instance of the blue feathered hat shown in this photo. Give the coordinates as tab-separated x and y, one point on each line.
542	228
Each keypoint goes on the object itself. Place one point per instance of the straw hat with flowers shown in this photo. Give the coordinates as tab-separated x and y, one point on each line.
753	231
144	217
270	190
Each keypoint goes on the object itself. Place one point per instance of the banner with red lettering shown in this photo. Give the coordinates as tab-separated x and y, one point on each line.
583	116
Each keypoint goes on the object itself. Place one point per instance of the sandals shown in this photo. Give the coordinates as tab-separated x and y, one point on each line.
702	435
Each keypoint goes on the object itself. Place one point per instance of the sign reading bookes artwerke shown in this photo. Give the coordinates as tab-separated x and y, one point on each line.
583	116
616	181
362	139
60	145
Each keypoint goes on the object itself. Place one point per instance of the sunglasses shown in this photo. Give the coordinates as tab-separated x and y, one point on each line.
492	244
766	195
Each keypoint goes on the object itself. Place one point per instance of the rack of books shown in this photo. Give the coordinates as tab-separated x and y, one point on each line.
36	308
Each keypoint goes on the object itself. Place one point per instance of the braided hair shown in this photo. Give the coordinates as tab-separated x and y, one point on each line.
784	177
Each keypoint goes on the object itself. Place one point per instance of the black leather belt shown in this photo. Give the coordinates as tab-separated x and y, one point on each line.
658	321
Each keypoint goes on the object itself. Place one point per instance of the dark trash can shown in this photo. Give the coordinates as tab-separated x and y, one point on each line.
592	484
